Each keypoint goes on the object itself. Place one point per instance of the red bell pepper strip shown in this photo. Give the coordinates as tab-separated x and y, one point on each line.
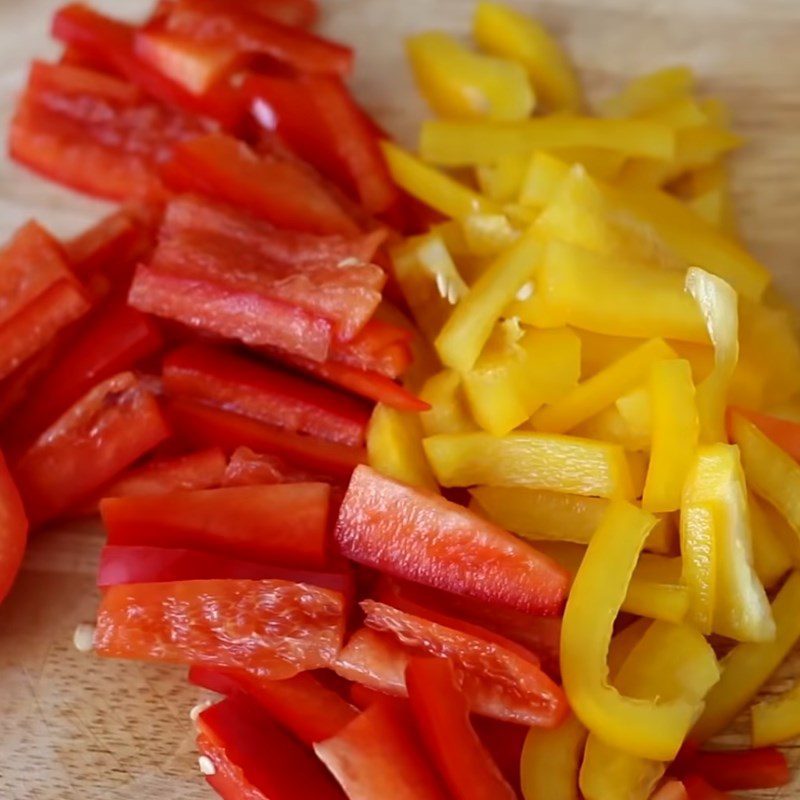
267	758
699	789
139	564
376	757
204	469
257	390
114	339
205	426
362	697
246	468
15	389
413	534
783	432
13	530
282	524
271	627
364	383
741	770
110	43
107	430
275	189
311	711
379	347
243	314
225	778
504	741
209	22
442	717
298	13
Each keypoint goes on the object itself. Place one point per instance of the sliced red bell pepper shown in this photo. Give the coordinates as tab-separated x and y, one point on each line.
13	530
246	468
111	43
267	758
107	430
504	741
413	534
15	389
274	189
283	524
741	770
299	13
243	314
376	757
114	339
256	390
699	789
364	383
442	717
207	426
140	564
363	697
271	627
311	711
783	432
378	347
209	22
225	778
203	469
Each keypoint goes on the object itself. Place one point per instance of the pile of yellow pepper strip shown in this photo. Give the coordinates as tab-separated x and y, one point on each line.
588	318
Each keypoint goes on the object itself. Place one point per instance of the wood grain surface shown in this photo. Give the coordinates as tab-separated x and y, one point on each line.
73	727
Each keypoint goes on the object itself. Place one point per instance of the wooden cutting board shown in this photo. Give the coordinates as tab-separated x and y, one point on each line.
73	727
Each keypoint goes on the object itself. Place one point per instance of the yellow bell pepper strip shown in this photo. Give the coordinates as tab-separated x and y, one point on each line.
543	177
679	113
669	662
452	234
652	730
694	240
465	333
602	389
542	515
748	666
699	553
501	30
521	216
456	143
428	279
591	291
448	411
611	426
771	472
636	410
432	186
776	720
771	559
488	234
501	180
550	761
654	591
394	447
461	84
646	94
537	460
718	303
623	643
602	164
675	434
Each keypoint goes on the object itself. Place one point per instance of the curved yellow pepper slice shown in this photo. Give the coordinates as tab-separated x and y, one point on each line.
505	32
748	666
459	83
650	92
653	730
550	761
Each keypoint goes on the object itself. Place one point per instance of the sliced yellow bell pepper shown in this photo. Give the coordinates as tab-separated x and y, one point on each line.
451	143
448	411
771	559
707	192
550	762
551	368
488	234
459	83
600	294
771	472
465	333
394	447
433	187
636	410
777	720
611	426
675	434
429	279
537	460
602	389
452	234
650	92
501	30
698	549
715	487
501	180
679	113
623	643
541	515
718	303
652	730
655	590
602	164
669	662
543	177
748	666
